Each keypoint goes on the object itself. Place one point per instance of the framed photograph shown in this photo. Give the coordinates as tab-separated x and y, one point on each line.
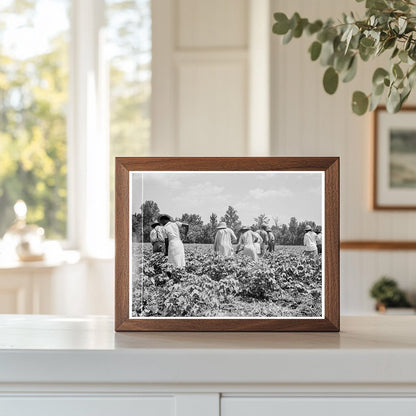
227	244
394	159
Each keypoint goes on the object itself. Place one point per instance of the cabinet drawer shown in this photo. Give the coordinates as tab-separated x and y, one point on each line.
87	406
272	406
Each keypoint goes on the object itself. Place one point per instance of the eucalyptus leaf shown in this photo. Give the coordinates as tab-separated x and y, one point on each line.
315	50
403	56
389	43
395	52
402	22
366	53
404	96
330	80
281	27
298	30
327	53
314	27
393	101
379	75
378	89
288	37
374	101
351	70
408	42
341	62
367	42
376	4
359	103
397	71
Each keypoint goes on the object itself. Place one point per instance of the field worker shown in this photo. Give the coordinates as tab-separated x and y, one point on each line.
173	244
309	241
223	240
265	238
257	240
271	239
157	238
318	233
246	243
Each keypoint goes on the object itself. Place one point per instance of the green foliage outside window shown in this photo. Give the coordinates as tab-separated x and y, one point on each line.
33	100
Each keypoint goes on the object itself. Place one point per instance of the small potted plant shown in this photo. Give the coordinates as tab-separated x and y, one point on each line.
387	294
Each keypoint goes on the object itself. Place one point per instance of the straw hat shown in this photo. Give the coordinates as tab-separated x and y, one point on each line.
268	229
164	216
221	226
308	228
244	228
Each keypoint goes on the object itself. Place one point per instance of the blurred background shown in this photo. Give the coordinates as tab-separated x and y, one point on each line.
83	81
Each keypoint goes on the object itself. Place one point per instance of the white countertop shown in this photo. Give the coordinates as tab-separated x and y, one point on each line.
50	349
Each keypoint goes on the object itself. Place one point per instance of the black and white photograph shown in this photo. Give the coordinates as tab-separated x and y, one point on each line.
227	244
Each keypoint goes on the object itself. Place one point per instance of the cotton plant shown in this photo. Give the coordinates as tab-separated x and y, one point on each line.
389	27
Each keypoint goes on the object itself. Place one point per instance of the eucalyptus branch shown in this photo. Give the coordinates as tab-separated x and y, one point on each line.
389	26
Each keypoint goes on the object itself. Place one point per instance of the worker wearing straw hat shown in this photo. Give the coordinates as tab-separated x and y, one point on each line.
246	242
309	241
157	238
224	238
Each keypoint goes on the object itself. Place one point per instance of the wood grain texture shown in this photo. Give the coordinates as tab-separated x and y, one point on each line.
378	245
329	165
376	204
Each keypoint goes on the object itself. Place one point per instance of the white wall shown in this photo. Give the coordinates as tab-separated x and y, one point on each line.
308	122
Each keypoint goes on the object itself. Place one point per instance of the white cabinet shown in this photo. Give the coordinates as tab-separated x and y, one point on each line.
88	406
269	406
80	367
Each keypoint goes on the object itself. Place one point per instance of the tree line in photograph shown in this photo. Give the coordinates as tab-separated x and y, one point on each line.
204	233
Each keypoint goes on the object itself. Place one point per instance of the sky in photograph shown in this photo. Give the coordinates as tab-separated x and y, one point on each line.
276	194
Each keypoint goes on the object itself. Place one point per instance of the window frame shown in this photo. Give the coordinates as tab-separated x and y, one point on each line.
87	133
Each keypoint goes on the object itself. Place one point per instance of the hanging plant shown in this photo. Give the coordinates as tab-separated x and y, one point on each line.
389	27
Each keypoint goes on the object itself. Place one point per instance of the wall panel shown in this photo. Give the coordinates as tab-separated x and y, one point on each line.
212	104
212	24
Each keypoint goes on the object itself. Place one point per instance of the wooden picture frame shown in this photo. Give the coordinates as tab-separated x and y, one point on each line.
387	197
328	166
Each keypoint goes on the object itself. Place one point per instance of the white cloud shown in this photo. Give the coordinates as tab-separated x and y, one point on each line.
260	193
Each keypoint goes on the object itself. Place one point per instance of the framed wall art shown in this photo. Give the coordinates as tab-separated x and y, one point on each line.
227	244
394	160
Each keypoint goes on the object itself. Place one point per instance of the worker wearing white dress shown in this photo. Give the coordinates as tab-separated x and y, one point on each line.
223	240
258	241
173	244
309	241
246	243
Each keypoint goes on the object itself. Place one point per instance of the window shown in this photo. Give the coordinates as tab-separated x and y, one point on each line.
33	102
129	43
75	87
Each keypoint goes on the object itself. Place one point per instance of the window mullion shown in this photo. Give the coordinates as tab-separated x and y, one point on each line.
88	137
